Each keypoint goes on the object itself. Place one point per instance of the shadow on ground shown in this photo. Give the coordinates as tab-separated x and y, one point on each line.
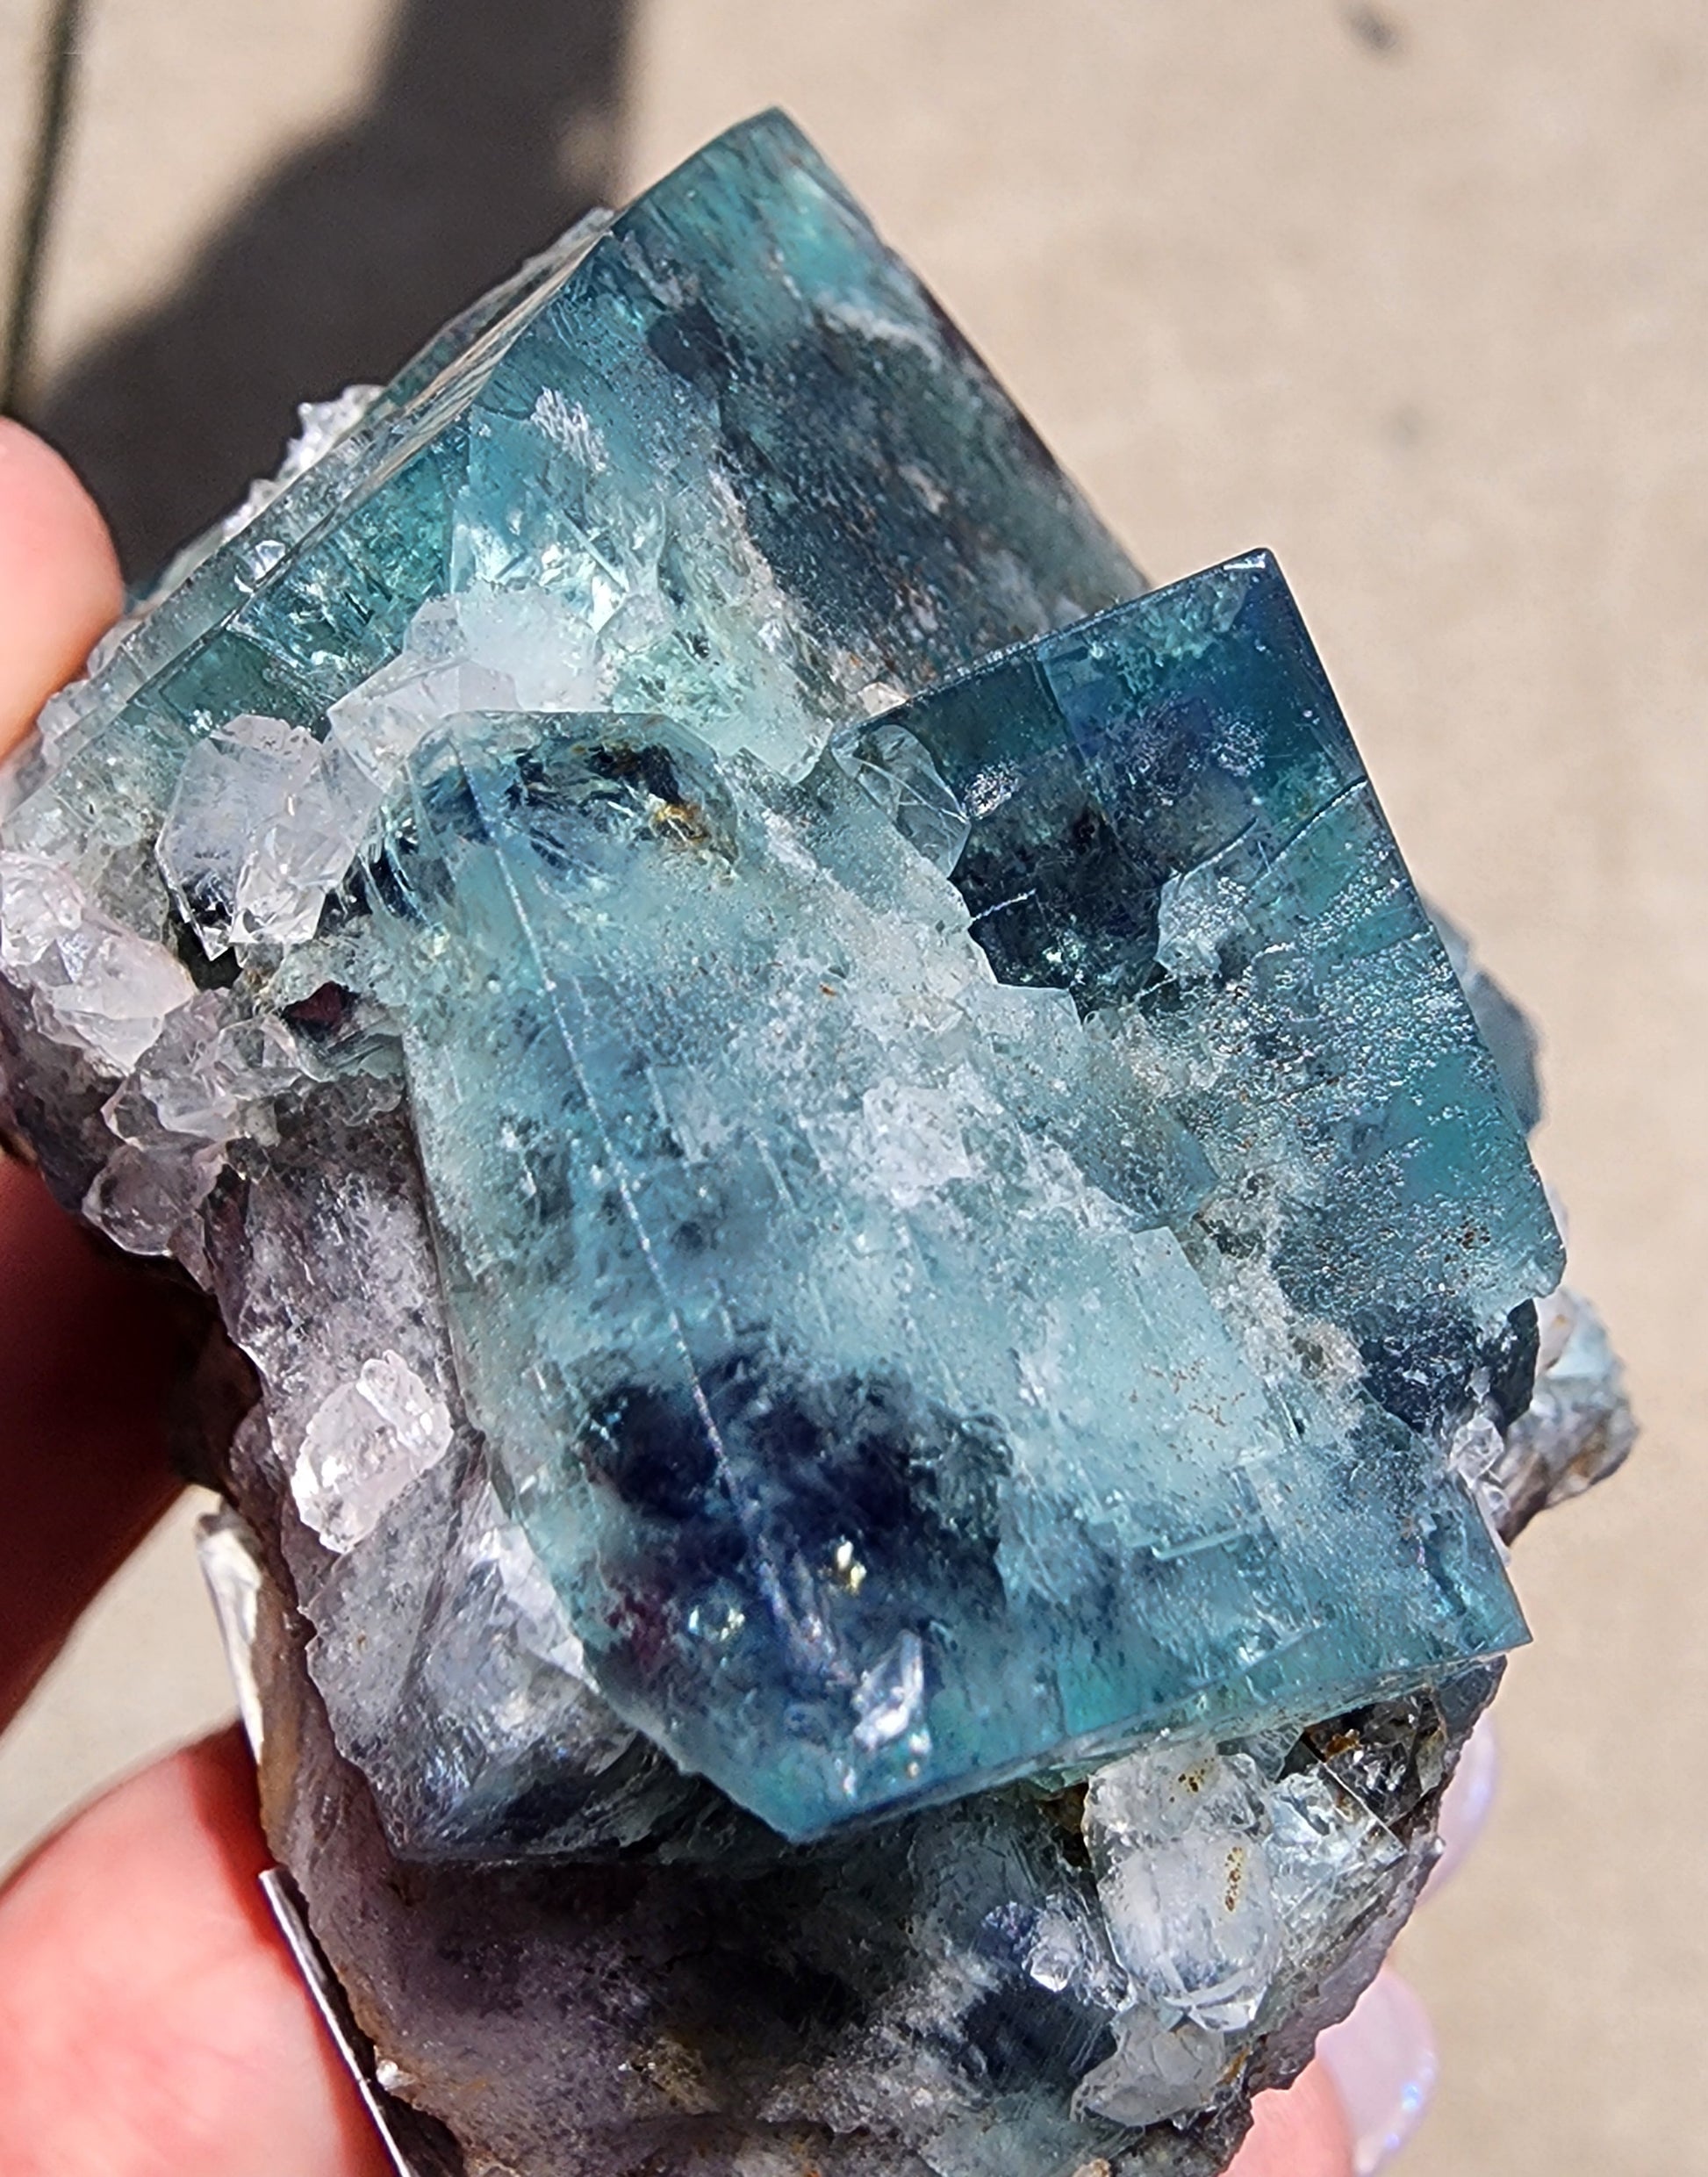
491	127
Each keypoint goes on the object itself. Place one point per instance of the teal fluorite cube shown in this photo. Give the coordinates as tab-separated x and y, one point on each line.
1168	819
913	1378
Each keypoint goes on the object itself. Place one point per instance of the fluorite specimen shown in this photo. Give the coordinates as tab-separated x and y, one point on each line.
875	1281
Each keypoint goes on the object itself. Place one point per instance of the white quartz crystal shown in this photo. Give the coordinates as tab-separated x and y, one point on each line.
367	1443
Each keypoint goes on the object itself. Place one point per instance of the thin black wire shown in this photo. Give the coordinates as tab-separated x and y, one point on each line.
53	115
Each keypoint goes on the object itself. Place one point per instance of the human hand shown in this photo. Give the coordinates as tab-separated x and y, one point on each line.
152	2024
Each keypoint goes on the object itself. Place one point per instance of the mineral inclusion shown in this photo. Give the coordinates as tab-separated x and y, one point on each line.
877	1302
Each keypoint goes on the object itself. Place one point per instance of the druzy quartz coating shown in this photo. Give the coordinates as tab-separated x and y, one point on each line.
849	1203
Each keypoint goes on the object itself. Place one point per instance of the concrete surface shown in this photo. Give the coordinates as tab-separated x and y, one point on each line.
180	112
20	57
20	81
1418	297
143	1673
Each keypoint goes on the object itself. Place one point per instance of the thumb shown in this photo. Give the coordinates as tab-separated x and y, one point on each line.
151	2021
59	577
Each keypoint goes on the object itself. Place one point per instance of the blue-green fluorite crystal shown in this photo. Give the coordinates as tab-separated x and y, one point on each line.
880	1277
966	1226
964	1374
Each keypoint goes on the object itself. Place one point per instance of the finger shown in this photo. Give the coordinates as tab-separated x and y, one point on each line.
59	577
1300	2133
85	1352
1467	1801
1381	2061
83	1465
151	2021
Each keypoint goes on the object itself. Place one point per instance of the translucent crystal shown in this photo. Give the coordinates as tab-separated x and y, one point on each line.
913	1451
367	1443
868	1256
95	984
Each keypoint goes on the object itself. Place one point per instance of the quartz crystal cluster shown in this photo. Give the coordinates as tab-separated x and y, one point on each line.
877	1307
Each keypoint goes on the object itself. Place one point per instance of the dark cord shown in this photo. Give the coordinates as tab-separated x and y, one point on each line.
59	69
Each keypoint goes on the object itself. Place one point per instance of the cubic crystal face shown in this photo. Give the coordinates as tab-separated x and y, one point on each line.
851	1205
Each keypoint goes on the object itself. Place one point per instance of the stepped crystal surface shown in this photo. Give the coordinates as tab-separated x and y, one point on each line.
875	1279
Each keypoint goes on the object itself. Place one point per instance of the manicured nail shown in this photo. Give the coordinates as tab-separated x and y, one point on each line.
1382	2062
1466	1803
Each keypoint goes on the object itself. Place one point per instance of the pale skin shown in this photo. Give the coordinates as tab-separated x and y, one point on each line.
151	2023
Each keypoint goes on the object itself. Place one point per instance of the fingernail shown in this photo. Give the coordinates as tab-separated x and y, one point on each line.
1466	1800
1381	2060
